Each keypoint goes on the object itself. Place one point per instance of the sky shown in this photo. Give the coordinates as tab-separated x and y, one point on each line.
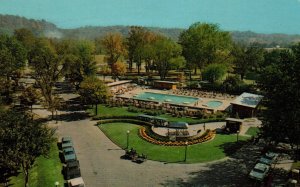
263	16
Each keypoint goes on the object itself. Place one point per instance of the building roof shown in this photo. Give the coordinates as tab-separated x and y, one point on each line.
178	125
169	82
248	100
234	119
118	83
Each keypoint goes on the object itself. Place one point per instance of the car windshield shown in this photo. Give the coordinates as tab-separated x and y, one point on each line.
258	170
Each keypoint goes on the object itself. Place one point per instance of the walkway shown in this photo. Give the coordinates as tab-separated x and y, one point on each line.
101	165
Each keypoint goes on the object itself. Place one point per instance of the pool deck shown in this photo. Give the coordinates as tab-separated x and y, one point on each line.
199	104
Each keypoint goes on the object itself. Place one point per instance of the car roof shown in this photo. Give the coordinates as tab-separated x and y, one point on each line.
67	138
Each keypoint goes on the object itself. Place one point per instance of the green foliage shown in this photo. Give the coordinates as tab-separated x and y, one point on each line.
22	140
12	60
246	58
253	131
145	111
214	72
93	91
45	171
165	50
280	83
201	43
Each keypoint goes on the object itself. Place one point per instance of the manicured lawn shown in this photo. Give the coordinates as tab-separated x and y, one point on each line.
122	111
252	131
112	111
204	152
46	171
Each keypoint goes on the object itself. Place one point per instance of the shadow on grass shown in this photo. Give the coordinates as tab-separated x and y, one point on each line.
226	173
231	172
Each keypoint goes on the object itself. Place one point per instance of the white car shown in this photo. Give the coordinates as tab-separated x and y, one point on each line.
259	172
77	182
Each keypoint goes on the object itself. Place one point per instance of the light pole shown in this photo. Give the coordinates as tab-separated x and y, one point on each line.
127	139
56	184
237	135
185	152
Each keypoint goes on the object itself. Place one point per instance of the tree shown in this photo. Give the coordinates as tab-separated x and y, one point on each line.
134	44
26	37
47	70
22	140
29	96
12	59
246	58
114	47
118	69
77	58
201	42
165	51
93	91
280	82
214	72
178	63
105	70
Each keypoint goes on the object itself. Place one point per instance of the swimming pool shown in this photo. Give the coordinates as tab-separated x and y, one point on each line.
214	104
166	98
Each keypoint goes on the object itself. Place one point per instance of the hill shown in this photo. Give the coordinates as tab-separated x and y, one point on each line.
9	23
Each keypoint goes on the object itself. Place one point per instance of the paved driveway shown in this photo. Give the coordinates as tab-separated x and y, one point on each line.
101	164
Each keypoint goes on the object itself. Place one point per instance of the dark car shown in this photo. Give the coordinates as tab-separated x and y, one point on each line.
66	142
69	154
71	170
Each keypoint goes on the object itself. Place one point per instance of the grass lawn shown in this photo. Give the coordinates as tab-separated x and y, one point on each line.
296	165
204	152
252	131
122	111
45	172
112	111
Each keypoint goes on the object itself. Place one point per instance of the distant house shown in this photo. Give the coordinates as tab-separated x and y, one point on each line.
165	85
246	105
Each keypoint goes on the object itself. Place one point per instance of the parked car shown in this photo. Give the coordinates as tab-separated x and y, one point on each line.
71	170
271	155
69	154
66	142
77	182
259	172
269	158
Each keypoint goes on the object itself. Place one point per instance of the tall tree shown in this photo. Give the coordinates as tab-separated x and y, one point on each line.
165	50
22	140
12	59
77	58
246	58
113	44
280	82
201	42
47	70
93	91
118	69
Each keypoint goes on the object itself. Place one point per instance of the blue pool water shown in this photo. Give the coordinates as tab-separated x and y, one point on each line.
214	104
166	98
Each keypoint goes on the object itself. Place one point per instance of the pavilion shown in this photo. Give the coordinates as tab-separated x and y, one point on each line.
246	105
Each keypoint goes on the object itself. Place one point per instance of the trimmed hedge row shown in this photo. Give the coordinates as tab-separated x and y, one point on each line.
134	121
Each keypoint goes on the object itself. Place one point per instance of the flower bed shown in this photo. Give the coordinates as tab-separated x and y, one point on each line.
208	135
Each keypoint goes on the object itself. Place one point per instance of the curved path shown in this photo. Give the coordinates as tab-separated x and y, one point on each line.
101	164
